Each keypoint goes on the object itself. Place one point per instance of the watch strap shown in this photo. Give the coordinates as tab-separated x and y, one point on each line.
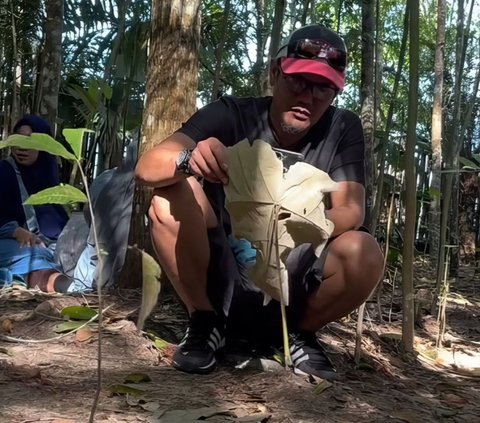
182	163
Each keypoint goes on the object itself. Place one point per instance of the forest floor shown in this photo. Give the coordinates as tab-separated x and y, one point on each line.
55	381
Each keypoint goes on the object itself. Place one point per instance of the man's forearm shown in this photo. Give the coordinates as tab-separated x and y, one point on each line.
157	169
345	219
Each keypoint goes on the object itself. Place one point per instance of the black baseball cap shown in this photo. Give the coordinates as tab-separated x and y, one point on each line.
315	50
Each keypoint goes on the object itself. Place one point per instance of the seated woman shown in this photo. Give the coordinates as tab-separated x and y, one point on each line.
28	233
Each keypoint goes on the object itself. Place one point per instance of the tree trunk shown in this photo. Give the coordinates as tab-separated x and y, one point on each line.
276	28
259	69
219	51
451	158
367	89
388	125
170	100
52	56
437	125
410	182
275	39
16	75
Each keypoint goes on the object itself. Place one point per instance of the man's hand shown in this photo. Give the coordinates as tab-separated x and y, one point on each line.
209	160
26	238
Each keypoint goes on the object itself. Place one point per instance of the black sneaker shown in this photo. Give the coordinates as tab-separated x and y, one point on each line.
308	356
203	339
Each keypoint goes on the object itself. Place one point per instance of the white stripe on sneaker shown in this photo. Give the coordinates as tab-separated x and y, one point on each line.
299	356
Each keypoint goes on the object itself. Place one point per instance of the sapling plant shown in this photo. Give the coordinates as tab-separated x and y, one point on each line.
66	194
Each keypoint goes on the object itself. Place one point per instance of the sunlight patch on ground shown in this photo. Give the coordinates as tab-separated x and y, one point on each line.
462	362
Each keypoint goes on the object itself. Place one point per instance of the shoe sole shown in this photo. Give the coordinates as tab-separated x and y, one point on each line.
202	370
322	374
197	370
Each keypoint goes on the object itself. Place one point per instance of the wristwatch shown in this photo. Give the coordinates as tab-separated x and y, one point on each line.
182	163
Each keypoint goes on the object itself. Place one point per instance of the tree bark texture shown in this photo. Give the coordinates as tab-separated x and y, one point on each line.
172	79
261	32
219	52
437	135
410	182
52	56
388	126
367	89
452	149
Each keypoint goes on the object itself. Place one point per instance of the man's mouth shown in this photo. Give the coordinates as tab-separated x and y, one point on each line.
300	113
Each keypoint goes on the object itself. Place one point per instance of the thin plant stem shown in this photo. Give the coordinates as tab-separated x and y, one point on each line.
99	296
286	346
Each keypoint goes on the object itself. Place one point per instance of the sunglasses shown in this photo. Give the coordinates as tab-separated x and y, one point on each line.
297	84
319	50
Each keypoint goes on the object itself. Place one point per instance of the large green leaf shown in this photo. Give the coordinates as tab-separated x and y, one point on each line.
41	142
79	312
61	194
74	137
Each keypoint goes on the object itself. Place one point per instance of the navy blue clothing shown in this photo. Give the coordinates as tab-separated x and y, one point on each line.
42	174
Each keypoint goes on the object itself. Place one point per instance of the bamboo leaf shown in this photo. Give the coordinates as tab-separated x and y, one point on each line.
40	142
61	194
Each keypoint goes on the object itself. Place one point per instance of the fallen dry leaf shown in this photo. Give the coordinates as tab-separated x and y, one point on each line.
454	400
407	416
24	372
83	335
322	386
7	326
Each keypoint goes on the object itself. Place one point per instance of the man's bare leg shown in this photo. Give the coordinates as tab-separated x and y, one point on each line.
180	215
353	267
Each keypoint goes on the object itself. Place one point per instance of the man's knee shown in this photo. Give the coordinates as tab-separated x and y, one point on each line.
173	203
358	252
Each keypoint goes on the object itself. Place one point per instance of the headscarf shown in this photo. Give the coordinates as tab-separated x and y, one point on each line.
38	125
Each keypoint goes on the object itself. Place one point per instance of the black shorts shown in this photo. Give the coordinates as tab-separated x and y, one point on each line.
242	302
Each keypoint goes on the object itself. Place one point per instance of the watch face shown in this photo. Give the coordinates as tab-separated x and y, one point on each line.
182	162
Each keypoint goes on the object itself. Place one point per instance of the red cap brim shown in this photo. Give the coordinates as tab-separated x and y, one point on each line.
292	66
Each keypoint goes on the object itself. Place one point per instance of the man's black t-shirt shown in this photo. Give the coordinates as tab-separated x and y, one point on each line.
334	144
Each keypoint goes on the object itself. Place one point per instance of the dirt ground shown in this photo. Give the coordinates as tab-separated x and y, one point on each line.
55	381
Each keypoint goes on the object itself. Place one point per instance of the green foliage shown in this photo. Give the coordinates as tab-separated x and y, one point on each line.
61	194
79	312
124	389
470	164
137	378
75	138
41	142
68	326
394	257
78	317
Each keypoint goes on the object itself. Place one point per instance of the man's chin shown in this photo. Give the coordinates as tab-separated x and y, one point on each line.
293	129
